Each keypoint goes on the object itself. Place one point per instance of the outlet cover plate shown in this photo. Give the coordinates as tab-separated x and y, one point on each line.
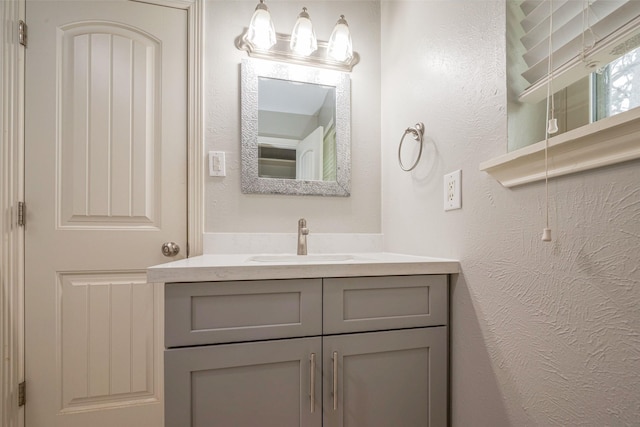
453	190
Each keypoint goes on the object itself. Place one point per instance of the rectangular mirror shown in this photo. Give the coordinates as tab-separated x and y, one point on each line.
295	129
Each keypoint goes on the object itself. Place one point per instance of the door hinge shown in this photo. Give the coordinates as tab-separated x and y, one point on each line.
22	397
22	33
21	214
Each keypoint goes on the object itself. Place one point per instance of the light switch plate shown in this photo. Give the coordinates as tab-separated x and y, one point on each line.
453	190
217	163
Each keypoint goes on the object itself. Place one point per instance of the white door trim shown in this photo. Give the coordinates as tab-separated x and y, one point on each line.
11	192
12	187
195	185
195	167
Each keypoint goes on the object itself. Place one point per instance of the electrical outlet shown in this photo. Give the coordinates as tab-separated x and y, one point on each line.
453	190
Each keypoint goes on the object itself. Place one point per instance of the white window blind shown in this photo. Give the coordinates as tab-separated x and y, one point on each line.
587	35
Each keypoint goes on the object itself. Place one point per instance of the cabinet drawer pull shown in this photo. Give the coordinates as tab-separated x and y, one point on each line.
335	380
312	391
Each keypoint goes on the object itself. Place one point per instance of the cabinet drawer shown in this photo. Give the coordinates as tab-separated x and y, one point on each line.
220	312
358	304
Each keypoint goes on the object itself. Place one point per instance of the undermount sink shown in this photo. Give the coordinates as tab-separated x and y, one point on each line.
301	259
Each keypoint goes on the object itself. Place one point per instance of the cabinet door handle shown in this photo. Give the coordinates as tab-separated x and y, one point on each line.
335	380
312	391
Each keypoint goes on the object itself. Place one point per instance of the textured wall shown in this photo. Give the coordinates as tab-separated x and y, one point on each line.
226	209
544	334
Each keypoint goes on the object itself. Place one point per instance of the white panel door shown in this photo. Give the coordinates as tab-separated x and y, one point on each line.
105	187
309	156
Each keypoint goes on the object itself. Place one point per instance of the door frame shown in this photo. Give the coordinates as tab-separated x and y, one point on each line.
12	168
11	192
195	122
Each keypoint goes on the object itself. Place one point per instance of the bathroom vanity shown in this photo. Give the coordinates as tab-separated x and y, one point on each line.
359	340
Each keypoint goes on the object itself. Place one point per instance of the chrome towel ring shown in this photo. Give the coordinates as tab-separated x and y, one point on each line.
418	134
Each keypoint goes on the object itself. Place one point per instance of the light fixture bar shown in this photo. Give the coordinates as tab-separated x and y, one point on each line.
281	51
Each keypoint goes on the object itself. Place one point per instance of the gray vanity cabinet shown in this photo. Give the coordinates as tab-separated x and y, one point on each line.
360	352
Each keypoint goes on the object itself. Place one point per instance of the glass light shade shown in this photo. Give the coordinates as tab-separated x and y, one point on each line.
303	38
262	33
340	46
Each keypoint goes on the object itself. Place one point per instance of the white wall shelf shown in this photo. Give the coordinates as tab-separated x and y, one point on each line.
606	142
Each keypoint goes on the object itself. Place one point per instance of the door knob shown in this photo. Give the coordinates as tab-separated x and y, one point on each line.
170	249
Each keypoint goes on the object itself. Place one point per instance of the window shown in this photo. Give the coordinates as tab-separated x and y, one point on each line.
617	86
612	90
599	124
587	34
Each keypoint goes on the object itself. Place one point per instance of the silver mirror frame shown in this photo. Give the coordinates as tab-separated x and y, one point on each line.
251	71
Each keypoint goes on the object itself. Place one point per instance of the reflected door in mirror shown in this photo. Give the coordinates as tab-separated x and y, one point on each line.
296	130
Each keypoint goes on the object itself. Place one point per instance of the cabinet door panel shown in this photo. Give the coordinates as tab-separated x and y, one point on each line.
395	378
265	384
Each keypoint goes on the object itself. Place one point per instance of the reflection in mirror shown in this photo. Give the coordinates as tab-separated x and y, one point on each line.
295	129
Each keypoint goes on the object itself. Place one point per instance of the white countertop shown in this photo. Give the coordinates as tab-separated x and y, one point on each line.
212	268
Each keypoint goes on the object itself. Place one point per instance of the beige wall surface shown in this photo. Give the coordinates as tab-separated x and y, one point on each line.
227	210
543	334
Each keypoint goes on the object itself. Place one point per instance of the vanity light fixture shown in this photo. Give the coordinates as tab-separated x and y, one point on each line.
340	46
303	38
261	33
260	40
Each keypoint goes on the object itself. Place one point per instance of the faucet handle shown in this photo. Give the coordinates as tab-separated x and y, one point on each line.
302	226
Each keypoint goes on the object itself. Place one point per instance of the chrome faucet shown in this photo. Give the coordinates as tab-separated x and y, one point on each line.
303	231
